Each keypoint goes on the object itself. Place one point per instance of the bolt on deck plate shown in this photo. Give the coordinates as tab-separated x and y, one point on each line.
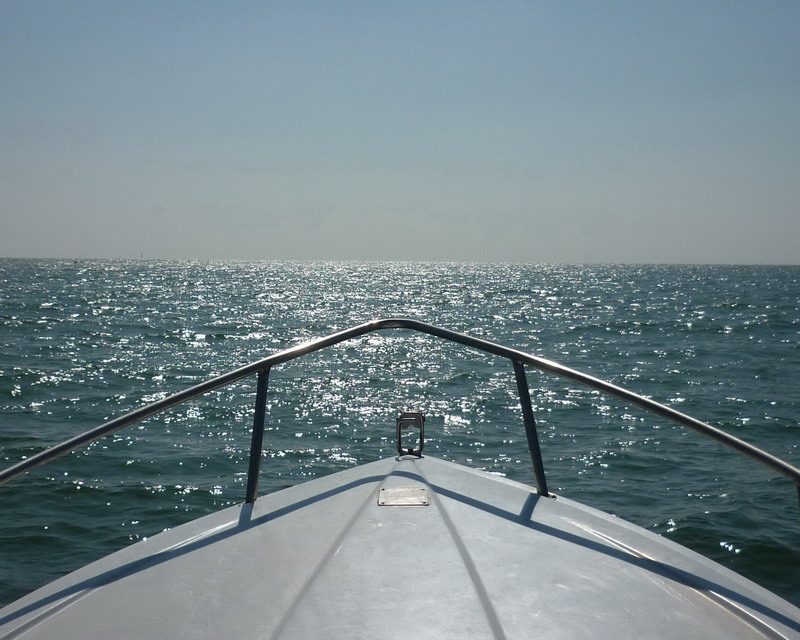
403	497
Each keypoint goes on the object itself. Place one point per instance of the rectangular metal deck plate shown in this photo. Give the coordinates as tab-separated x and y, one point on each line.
403	497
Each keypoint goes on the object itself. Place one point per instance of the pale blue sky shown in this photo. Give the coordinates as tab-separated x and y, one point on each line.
533	132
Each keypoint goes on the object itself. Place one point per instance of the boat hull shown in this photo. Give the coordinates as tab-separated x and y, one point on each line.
404	546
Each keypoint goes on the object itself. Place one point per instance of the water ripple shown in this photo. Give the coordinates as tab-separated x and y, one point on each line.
81	342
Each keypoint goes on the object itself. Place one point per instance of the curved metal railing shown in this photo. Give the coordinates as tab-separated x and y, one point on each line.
518	358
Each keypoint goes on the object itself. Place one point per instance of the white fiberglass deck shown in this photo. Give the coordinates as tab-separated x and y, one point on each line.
484	558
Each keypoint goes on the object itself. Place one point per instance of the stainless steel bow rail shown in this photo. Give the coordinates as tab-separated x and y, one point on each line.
518	359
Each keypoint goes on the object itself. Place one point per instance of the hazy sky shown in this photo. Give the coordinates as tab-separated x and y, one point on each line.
534	132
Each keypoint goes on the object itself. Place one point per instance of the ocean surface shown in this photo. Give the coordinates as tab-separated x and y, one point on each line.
84	341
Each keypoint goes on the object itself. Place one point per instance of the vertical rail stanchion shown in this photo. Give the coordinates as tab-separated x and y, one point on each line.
257	442
530	427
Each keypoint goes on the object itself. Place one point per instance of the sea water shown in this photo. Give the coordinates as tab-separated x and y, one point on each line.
84	341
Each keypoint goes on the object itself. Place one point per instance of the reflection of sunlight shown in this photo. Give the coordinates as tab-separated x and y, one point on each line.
157	328
453	420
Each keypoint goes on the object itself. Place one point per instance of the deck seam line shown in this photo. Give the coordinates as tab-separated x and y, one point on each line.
483	595
326	558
